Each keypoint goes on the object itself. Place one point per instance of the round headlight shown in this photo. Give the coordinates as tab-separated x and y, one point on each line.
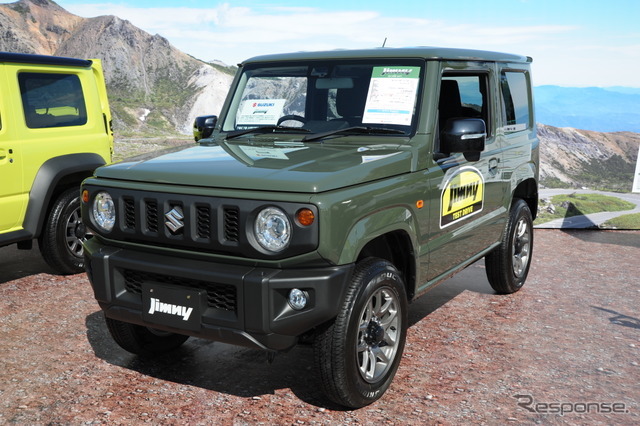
104	211
272	229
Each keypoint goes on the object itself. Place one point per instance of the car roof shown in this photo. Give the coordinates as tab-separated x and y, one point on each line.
25	58
428	53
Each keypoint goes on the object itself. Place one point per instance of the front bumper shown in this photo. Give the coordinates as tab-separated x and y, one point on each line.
241	305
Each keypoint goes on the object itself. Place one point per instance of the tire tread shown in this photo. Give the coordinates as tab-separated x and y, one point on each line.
329	352
498	265
53	250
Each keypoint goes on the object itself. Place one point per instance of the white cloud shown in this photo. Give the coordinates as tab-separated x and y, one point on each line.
232	34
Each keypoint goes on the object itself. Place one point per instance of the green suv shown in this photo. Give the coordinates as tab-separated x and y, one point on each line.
333	189
55	129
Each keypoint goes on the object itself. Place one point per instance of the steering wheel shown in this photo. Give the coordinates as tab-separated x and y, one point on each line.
291	117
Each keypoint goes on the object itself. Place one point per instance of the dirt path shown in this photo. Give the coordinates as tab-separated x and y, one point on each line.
569	341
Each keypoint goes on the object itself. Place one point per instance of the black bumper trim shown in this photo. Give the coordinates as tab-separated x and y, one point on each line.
262	317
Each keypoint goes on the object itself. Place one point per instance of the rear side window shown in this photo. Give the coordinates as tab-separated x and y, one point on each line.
515	100
52	100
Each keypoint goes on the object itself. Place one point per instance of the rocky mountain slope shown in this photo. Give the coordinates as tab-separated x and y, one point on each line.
581	158
153	87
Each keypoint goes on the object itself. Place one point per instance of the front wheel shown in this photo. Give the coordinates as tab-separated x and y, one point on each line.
508	265
358	354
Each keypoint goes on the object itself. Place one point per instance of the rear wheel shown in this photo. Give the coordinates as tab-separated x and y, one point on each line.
141	340
63	234
358	354
508	265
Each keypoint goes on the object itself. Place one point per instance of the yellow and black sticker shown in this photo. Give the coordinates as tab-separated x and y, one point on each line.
462	196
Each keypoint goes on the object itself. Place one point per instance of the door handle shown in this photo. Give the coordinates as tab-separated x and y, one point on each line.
493	165
3	154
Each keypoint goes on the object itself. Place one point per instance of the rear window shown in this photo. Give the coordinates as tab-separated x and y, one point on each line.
52	100
515	98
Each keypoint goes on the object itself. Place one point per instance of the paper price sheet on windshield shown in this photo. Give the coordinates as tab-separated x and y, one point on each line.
392	95
261	112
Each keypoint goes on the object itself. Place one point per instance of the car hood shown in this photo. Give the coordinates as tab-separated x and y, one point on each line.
271	166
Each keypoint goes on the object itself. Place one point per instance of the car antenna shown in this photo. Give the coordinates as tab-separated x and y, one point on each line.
384	42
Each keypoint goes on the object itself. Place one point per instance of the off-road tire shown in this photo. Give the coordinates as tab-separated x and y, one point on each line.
61	239
141	340
345	348
508	265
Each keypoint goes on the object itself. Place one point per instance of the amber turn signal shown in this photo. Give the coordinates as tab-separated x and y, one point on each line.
305	217
420	204
85	196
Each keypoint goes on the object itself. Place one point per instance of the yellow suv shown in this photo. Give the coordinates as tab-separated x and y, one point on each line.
55	129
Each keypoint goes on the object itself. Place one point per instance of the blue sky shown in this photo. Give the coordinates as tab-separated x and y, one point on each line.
573	43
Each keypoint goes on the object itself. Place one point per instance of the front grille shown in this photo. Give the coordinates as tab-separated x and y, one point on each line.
199	223
129	213
203	222
192	222
219	296
231	224
151	215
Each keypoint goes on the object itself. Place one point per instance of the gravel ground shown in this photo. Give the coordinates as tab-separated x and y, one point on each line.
130	147
569	341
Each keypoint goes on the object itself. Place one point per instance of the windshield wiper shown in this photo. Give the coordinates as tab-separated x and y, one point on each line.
264	129
353	130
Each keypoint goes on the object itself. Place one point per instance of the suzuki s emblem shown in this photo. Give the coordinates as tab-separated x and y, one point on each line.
174	219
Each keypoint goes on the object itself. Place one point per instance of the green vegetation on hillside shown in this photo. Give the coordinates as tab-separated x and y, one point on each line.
231	69
20	8
567	205
627	221
167	95
170	88
552	182
612	174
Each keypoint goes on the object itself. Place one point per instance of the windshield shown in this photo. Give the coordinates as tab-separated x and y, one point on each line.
324	97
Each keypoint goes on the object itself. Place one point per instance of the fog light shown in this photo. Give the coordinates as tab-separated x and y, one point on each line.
297	299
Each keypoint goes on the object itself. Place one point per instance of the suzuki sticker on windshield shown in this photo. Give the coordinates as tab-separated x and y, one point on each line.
392	95
261	112
462	196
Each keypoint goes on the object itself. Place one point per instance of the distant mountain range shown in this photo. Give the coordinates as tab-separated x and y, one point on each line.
611	109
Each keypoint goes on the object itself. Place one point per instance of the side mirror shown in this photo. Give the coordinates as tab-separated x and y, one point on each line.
203	126
466	135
